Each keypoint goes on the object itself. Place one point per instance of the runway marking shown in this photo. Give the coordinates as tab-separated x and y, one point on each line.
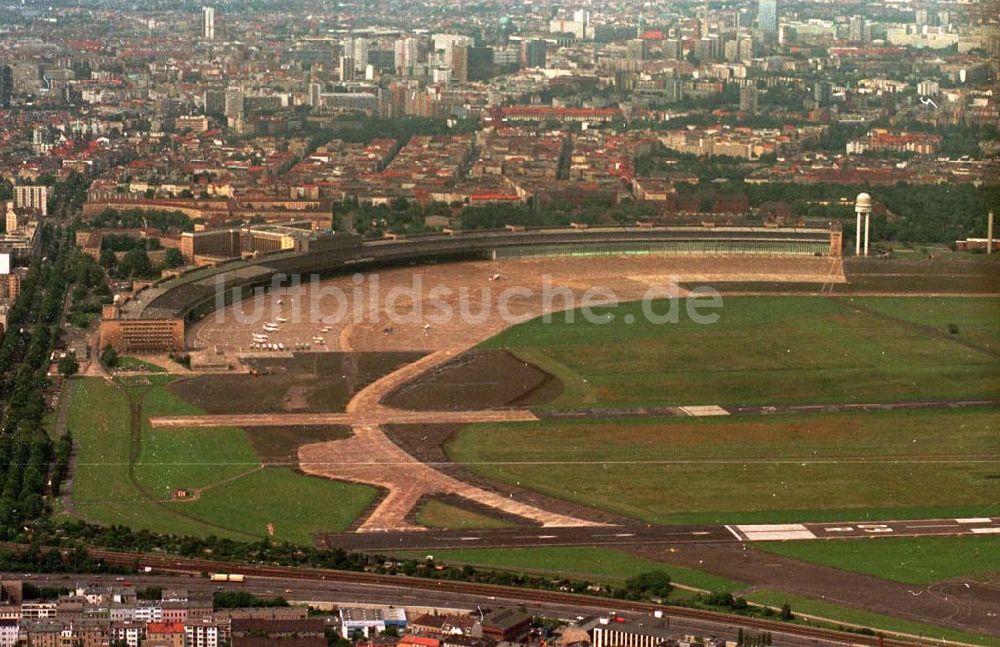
776	532
974	520
840	529
547	536
615	534
704	410
933	525
735	534
986	531
469	538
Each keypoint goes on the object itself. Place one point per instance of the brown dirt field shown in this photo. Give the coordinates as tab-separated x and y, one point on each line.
280	445
306	382
948	604
477	379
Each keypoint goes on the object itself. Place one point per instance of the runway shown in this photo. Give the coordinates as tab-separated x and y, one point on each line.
650	535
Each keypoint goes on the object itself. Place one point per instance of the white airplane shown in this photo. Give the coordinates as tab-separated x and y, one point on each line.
495	277
281	320
271	327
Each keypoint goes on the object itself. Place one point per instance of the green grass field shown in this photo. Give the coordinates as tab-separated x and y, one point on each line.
438	514
763	350
297	506
172	459
914	560
602	565
846	466
238	500
977	320
127	363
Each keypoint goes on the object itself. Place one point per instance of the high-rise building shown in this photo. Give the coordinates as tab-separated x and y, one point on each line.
32	197
315	94
348	68
672	49
357	50
748	99
767	16
234	107
208	23
823	93
471	63
444	45
406	54
215	103
857	29
533	53
6	85
635	50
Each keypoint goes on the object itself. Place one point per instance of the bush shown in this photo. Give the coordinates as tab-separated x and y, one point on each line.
109	357
68	366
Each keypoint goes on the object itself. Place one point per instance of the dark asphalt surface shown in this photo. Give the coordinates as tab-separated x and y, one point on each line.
743	410
647	534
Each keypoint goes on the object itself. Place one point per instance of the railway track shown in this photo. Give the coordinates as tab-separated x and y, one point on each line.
529	596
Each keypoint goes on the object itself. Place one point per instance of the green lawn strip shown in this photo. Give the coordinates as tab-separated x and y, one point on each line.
102	491
765	350
153	517
863	618
914	560
99	421
825	466
180	458
298	506
127	363
593	564
437	514
976	320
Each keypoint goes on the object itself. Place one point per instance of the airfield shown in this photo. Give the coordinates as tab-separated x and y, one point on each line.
824	394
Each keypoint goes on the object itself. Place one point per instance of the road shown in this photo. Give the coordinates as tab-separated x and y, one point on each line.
348	593
648	535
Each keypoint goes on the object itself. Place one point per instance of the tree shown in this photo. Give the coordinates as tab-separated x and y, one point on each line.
654	584
150	593
786	612
109	357
173	257
136	264
68	366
